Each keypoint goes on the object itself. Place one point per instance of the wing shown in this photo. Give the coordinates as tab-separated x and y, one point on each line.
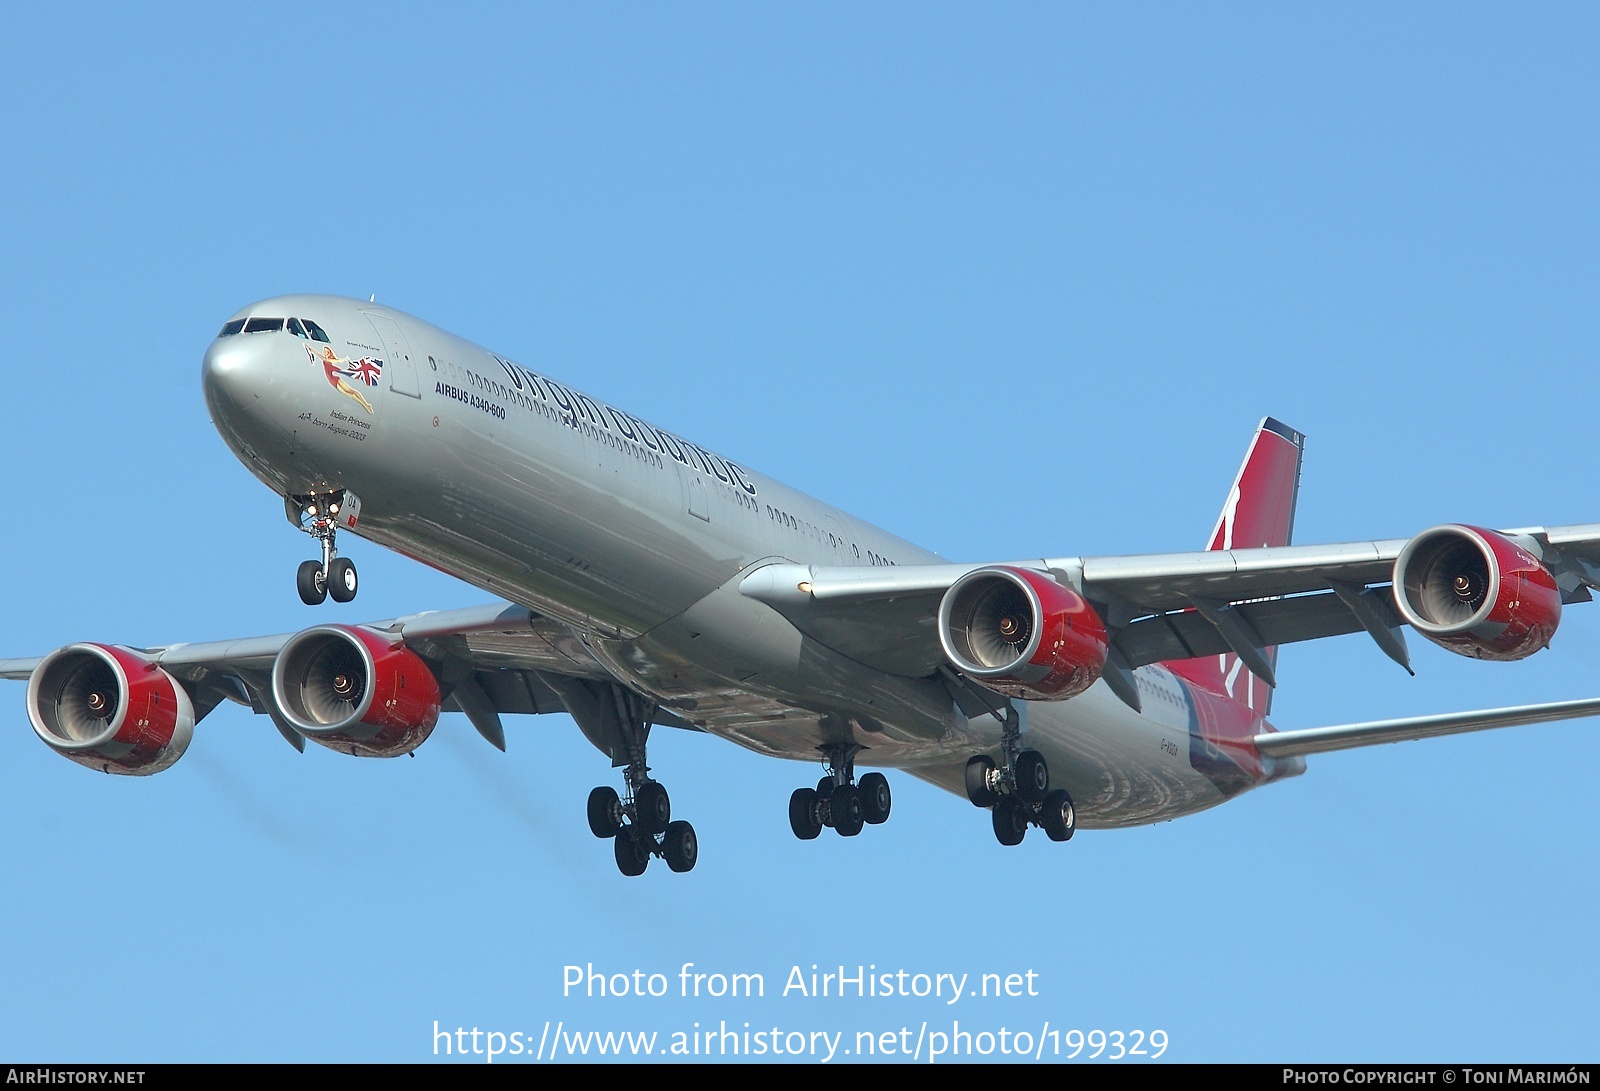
488	660
1157	607
1320	740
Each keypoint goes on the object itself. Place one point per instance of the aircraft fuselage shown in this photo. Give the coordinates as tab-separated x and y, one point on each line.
636	539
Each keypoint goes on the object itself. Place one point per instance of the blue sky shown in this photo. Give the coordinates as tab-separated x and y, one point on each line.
1005	280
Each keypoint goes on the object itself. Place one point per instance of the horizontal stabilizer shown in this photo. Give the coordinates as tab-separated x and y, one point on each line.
1318	740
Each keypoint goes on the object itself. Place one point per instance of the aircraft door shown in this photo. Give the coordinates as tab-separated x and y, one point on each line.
402	370
836	540
694	493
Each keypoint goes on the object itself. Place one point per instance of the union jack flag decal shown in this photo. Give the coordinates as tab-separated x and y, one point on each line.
366	369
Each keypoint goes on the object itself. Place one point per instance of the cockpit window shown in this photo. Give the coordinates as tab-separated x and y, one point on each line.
300	327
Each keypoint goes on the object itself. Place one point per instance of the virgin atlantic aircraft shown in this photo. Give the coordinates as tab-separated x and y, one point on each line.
651	582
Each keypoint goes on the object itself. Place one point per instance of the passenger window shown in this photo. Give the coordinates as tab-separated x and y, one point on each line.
232	328
317	332
297	329
263	325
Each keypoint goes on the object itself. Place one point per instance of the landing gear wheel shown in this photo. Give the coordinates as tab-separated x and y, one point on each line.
308	580
803	817
845	808
680	847
605	812
1010	821
1057	816
652	808
1033	776
632	856
342	579
825	787
875	798
979	770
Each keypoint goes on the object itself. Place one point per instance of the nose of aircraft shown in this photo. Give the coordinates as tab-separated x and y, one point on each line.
227	371
243	388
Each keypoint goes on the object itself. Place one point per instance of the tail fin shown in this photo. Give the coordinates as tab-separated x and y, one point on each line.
1260	507
1259	511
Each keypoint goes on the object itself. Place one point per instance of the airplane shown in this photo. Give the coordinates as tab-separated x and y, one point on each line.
649	582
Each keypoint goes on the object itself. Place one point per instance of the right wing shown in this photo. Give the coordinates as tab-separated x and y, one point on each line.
488	660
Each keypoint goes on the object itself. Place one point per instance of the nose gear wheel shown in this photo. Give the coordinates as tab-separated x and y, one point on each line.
311	583
333	576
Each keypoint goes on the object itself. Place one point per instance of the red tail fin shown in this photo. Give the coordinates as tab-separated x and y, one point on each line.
1259	511
1260	507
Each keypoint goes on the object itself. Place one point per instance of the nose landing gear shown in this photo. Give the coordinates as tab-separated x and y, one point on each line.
318	516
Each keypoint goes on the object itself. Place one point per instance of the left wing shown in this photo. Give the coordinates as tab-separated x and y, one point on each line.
1320	740
1160	607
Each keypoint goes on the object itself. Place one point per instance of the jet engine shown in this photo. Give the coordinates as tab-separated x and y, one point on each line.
1022	634
110	708
1476	593
355	690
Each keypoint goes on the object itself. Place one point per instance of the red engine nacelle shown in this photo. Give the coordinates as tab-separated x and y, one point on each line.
1022	634
1476	593
356	691
110	708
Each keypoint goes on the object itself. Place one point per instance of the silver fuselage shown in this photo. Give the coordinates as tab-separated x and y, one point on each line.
636	540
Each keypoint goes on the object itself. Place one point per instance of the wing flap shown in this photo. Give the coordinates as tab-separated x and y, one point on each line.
1189	634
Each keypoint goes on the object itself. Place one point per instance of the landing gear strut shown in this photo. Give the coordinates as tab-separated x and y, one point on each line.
318	516
839	801
1018	790
639	822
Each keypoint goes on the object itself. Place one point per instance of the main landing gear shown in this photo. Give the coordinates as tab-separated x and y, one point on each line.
839	801
1018	791
334	575
640	822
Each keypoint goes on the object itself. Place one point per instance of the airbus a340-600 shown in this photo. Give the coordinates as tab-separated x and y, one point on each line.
650	582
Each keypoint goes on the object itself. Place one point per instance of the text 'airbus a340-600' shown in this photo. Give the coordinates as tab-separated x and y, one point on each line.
651	582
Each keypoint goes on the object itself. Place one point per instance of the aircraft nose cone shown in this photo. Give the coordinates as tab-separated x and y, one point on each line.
226	375
242	391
